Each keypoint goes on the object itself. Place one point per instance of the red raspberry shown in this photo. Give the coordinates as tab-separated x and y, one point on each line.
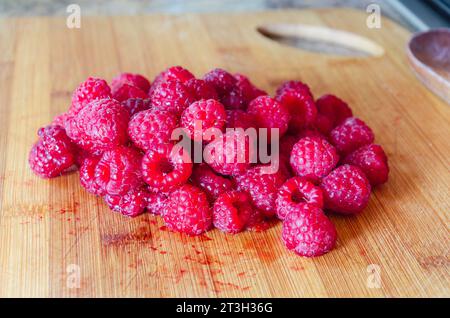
334	109
53	153
234	99
296	192
149	128
172	95
87	176
269	114
89	90
249	91
177	73
262	187
308	232
352	134
239	119
231	153
232	210
136	80
136	105
156	203
188	211
201	89
208	113
373	161
213	184
118	171
127	91
299	102
131	204
100	126
222	81
313	158
346	190
164	169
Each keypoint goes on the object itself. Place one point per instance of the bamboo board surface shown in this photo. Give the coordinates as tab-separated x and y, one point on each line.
52	232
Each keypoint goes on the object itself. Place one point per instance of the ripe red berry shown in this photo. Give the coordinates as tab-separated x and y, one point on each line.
231	153
346	190
131	204
313	158
136	105
262	187
222	81
352	134
269	114
136	80
53	153
188	211
172	95
297	99
127	91
308	232
149	128
232	210
334	109
201	89
164	168
373	161
296	192
118	171
210	182
176	73
99	126
91	89
203	115
87	176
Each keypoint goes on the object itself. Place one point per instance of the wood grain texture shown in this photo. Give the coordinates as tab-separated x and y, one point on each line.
45	226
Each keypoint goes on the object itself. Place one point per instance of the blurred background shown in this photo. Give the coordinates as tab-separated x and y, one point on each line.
416	15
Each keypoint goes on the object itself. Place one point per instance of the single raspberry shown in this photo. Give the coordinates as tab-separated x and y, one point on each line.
87	176
131	204
262	187
118	171
136	105
210	182
156	203
231	212
269	114
352	134
308	232
136	80
99	126
177	73
313	158
149	128
222	81
234	99
373	161
89	90
346	190
231	153
172	95
201	89
188	211
53	153
296	192
166	168
334	109
127	91
249	91
240	119
203	115
296	97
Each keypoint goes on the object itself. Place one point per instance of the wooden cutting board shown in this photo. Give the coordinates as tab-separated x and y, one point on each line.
52	232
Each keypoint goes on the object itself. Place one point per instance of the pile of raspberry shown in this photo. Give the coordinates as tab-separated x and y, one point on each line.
118	137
